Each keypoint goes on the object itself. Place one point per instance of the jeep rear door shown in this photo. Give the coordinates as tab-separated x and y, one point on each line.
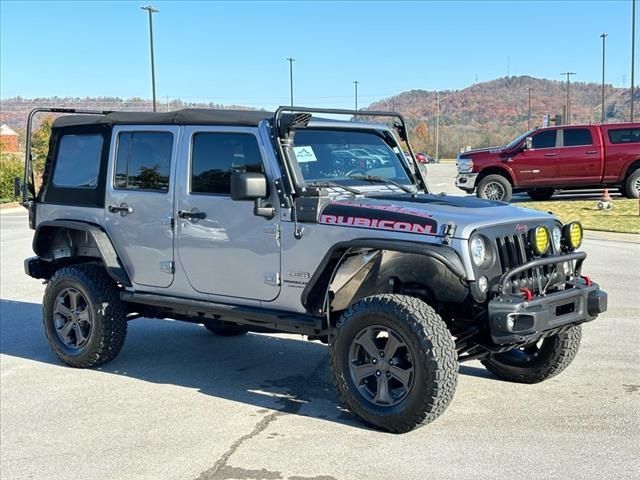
580	157
139	204
223	248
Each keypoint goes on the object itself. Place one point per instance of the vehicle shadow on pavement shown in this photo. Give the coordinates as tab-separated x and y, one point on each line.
285	374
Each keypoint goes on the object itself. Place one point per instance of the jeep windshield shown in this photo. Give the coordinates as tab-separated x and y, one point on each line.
349	157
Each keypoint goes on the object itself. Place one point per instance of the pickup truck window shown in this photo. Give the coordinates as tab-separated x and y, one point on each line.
216	155
624	135
545	139
575	137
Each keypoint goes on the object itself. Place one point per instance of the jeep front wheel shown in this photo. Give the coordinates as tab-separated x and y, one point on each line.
84	319
494	187
537	361
394	362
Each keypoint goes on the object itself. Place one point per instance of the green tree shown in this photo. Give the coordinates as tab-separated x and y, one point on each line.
40	145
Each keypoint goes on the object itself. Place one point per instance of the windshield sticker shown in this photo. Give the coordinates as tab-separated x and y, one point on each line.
305	154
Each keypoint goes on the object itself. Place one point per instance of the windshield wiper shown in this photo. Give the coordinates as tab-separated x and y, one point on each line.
374	178
326	184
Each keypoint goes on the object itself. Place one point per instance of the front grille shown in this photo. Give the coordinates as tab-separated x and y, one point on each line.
515	250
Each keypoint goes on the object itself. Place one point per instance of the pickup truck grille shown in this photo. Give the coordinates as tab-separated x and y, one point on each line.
513	251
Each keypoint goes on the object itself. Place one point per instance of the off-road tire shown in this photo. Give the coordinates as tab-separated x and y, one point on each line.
108	312
484	188
556	353
541	194
225	329
630	187
428	341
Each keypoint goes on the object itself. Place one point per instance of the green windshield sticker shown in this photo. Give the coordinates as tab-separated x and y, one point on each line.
305	154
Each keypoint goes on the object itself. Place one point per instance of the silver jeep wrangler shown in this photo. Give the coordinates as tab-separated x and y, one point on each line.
288	222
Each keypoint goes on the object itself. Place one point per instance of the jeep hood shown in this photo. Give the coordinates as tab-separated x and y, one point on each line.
426	214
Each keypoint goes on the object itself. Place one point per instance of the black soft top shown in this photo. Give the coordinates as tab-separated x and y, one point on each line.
187	116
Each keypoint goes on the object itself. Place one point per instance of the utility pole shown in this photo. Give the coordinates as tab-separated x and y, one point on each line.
355	83
603	36
291	60
151	11
633	50
529	116
568	106
437	125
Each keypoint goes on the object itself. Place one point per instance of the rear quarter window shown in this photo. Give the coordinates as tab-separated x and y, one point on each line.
78	161
624	135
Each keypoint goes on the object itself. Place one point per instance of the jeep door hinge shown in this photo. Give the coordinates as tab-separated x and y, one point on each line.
167	267
272	278
273	229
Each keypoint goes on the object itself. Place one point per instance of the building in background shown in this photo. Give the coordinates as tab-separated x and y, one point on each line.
9	142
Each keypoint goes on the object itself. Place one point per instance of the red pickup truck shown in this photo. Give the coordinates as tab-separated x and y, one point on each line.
563	157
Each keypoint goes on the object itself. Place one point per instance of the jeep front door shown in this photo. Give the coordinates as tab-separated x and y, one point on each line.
223	248
139	204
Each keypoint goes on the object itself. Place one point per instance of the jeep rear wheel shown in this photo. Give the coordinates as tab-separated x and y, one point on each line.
84	319
537	361
494	187
540	194
394	362
225	329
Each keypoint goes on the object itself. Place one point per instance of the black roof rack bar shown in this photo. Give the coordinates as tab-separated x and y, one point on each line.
29	181
354	113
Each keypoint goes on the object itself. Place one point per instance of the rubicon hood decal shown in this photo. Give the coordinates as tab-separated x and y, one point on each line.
379	217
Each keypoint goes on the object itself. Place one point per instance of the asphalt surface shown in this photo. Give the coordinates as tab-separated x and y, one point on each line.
180	403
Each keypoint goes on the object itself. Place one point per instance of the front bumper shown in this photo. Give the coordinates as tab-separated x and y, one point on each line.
466	181
513	320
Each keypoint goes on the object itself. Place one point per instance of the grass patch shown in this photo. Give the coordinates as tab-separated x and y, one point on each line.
623	217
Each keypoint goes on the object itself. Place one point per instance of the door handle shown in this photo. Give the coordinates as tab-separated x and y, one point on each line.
191	215
123	209
550	154
590	152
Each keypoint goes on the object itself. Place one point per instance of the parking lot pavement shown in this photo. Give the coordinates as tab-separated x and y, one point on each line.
180	403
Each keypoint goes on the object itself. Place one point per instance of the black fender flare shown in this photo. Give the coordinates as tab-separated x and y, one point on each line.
45	234
314	294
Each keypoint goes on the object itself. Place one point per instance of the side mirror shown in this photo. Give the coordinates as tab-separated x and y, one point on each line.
528	143
248	186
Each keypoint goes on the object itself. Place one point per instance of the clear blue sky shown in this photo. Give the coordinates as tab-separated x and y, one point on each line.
234	52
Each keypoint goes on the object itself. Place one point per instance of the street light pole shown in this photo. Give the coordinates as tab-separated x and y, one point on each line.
633	50
355	83
603	36
291	60
437	125
151	11
568	108
529	116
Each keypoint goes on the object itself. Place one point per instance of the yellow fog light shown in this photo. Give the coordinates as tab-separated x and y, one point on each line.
539	238
572	234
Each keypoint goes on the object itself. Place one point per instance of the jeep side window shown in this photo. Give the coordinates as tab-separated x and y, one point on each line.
78	161
575	137
214	156
545	139
143	161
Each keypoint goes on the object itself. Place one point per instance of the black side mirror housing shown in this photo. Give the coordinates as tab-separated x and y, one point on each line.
248	186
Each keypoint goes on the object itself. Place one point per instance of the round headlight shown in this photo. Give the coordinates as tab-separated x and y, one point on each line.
556	233
572	233
539	238
478	250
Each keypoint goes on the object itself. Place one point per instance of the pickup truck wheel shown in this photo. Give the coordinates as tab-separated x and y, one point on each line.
225	329
631	187
84	319
540	194
494	187
538	361
394	362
